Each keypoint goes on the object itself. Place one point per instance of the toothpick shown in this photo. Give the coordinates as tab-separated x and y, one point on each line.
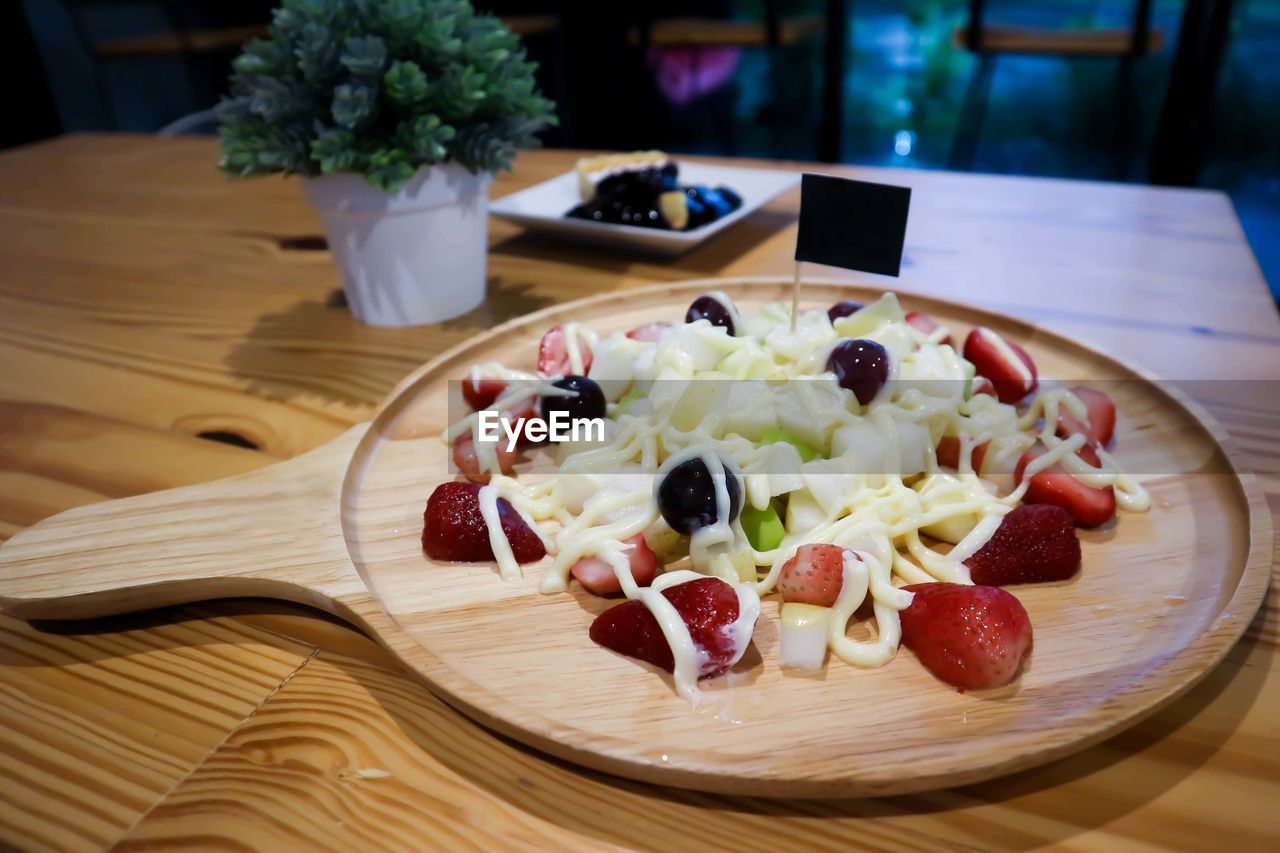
795	299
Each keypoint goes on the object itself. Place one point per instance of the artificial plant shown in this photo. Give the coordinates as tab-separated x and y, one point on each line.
381	88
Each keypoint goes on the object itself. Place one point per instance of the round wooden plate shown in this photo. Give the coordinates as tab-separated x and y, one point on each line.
1161	598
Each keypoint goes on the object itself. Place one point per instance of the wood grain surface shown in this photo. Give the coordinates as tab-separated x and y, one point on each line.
1165	593
144	300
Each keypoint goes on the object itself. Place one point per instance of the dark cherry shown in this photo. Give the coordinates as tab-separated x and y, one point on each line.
711	309
843	309
687	496
861	367
588	401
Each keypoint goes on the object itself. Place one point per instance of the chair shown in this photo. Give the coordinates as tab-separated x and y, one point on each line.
773	32
990	41
172	36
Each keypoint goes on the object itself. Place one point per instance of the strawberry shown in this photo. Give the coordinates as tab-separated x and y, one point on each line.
708	606
464	452
1033	544
649	332
468	463
519	413
971	637
1101	414
454	530
553	354
925	324
1089	506
481	393
949	453
813	576
982	385
597	577
983	348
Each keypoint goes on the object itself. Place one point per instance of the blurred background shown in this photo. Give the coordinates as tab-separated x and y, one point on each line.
1176	92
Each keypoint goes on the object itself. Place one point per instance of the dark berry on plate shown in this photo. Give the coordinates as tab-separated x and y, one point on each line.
630	197
712	309
707	204
650	197
843	309
861	367
587	400
687	496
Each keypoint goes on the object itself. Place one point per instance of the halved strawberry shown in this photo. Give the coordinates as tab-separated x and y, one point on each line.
925	324
454	529
481	393
1101	414
598	578
1089	506
971	637
519	413
648	332
982	385
813	575
983	348
949	453
553	354
468	463
1034	543
708	606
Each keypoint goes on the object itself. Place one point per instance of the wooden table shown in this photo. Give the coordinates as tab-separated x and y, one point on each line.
144	300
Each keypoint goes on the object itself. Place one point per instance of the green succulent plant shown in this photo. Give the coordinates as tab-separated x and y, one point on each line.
380	87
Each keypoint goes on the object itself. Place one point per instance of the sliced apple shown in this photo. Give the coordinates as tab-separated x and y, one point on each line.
802	638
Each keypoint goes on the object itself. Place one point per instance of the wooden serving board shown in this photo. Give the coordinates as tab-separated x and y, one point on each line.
1161	598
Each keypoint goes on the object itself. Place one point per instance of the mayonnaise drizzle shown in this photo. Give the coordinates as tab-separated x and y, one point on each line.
500	487
1130	495
1007	354
877	489
862	572
690	661
574	335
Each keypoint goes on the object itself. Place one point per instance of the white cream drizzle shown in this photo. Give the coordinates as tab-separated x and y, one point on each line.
864	572
575	334
1130	495
1007	354
500	487
692	662
857	500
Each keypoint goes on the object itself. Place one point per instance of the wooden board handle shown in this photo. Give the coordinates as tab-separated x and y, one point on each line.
275	532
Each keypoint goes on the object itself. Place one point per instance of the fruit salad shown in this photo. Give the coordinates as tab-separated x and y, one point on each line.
855	463
642	189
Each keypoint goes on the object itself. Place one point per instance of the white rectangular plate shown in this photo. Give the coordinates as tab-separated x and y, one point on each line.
542	208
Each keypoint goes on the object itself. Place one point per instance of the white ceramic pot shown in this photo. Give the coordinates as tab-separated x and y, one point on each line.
409	257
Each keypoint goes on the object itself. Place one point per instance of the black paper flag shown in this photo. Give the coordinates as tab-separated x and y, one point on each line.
852	224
